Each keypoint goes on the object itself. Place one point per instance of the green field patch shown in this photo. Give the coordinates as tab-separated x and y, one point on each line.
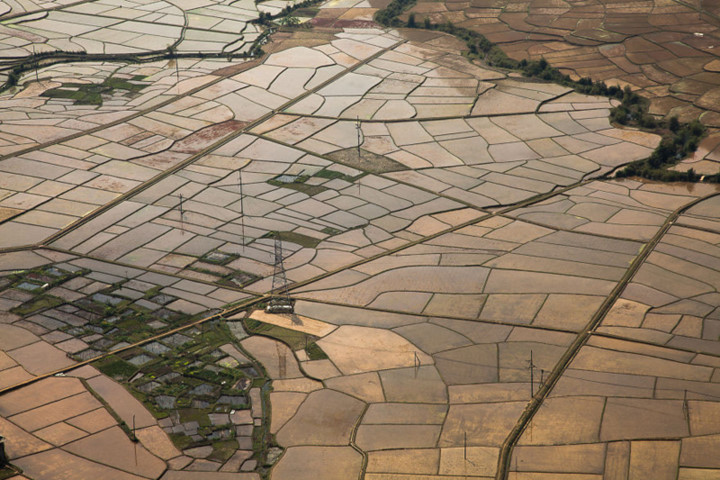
296	238
297	183
366	161
40	302
92	93
116	368
8	472
223	450
314	352
331	231
333	174
294	339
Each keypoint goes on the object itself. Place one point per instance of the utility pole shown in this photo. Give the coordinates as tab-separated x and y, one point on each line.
532	375
182	215
358	128
242	208
465	446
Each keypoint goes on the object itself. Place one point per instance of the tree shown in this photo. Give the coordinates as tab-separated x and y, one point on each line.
289	21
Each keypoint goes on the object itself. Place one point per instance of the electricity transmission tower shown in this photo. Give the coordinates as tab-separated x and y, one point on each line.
281	301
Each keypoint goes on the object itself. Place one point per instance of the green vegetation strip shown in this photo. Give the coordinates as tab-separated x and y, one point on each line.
46	59
294	237
9	471
678	140
292	338
285	17
91	93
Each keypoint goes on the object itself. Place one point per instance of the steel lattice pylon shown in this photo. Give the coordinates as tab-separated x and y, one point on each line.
281	301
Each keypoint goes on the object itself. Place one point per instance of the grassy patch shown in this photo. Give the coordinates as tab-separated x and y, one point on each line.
195	415
331	231
81	97
120	84
368	161
134	329
223	450
210	376
154	411
181	441
91	93
262	438
41	302
299	185
314	352
204	270
174	388
212	336
258	437
8	472
332	174
296	238
294	339
307	12
153	292
115	367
